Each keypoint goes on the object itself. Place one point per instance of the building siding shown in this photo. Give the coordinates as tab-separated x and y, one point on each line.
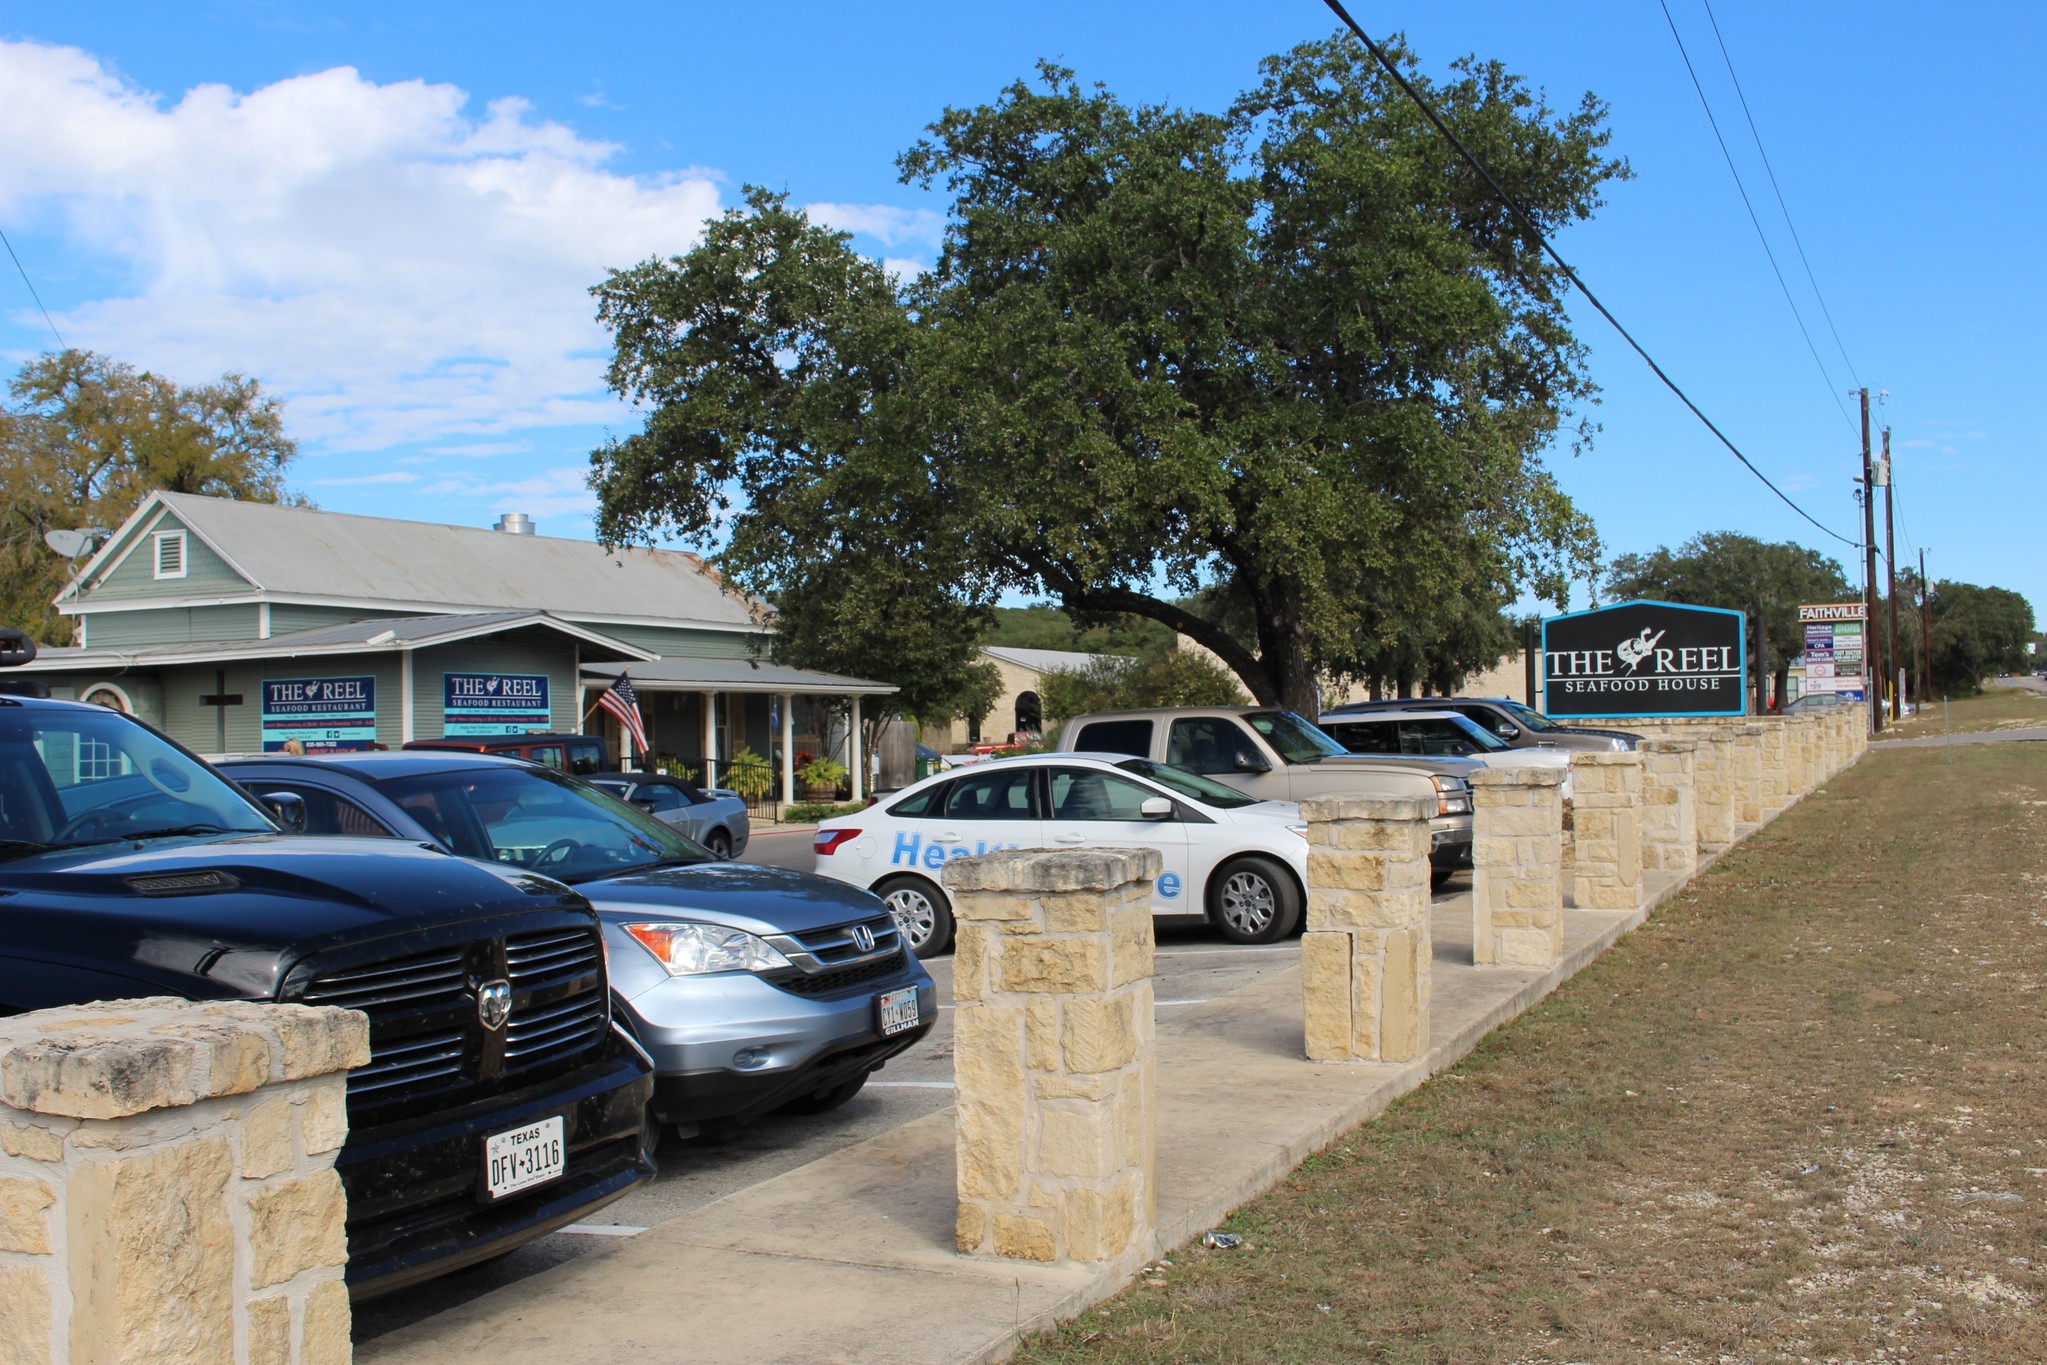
286	617
681	642
196	726
134	578
520	651
172	625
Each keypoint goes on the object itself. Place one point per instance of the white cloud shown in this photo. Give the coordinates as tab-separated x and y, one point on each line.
887	224
555	492
392	476
397	267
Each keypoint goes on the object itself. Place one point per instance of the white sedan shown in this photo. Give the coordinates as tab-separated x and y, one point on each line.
1240	862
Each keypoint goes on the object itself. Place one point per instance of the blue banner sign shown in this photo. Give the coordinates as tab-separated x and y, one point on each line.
494	703
320	713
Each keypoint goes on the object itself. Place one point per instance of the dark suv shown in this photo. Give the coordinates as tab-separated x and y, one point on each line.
128	868
578	754
1521	727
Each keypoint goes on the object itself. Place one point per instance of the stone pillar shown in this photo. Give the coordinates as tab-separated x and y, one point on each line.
1517	859
167	1185
1670	822
1747	774
1713	774
1776	772
1053	1053
1366	952
1606	804
1801	762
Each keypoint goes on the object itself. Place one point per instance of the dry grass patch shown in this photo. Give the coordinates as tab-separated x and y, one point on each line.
1800	1115
2000	708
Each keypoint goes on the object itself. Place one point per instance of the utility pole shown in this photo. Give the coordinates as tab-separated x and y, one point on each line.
1875	700
1894	673
1925	633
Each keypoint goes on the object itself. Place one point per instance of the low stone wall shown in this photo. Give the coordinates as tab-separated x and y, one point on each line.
167	1185
1517	867
1053	1053
1366	951
1606	815
1670	823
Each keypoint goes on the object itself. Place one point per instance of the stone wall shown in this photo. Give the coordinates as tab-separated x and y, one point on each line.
1517	882
1713	779
1606	813
1053	1053
1366	951
167	1184
1670	826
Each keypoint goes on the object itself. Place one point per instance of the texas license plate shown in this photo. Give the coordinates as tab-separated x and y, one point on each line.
524	1157
898	1010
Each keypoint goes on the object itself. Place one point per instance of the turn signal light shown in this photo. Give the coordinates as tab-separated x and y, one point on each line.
828	840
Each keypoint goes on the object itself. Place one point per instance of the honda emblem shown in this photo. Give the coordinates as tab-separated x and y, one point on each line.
863	938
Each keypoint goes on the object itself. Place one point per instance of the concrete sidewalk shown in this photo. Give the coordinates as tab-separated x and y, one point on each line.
851	1258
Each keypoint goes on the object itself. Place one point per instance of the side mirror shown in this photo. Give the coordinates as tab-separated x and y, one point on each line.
287	808
1156	808
644	802
1509	730
1248	762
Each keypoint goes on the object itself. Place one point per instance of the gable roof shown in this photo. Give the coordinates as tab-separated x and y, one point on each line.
298	552
1048	660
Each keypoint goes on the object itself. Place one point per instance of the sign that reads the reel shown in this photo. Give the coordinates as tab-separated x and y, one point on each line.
1645	659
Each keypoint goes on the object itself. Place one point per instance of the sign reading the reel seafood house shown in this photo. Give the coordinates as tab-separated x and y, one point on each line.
320	713
493	703
1645	659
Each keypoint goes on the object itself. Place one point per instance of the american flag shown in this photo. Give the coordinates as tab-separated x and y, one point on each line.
624	703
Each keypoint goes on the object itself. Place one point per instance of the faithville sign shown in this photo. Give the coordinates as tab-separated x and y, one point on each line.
1645	659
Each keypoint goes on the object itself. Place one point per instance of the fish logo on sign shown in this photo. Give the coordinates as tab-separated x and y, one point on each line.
1632	652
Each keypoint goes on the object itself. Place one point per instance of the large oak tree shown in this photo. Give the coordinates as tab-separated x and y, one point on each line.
1296	345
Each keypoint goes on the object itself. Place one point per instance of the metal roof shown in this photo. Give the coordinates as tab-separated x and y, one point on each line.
302	552
1048	660
355	637
737	675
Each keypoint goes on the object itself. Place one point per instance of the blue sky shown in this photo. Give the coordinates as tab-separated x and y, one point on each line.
390	213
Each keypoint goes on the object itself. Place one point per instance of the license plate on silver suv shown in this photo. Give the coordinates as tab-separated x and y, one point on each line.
898	1010
524	1157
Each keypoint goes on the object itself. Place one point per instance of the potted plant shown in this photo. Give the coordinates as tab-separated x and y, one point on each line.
819	776
748	774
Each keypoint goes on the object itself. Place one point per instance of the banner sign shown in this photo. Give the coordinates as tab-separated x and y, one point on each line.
1645	659
494	703
320	713
1834	649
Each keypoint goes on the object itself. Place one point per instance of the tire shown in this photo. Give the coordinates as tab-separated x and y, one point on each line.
824	1101
1441	873
922	913
1253	900
720	844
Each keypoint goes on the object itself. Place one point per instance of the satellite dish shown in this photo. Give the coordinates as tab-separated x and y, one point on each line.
72	544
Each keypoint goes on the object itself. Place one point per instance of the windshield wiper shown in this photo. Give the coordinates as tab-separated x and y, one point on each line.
672	860
130	835
21	848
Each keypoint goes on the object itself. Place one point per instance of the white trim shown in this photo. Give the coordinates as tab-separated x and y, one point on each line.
788	747
83	621
240	651
405	734
263	620
124	540
158	540
398	607
127	702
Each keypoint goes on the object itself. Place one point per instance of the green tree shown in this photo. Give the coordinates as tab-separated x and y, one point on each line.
1767	582
85	439
1112	683
1296	344
1044	625
1977	633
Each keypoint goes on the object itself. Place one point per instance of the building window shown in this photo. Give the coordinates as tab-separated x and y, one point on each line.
170	554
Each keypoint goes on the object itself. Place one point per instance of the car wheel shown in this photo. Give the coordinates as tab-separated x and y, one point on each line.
720	844
922	915
1441	873
826	1100
1253	901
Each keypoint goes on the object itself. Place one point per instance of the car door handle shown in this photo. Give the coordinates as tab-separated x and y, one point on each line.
950	836
1070	838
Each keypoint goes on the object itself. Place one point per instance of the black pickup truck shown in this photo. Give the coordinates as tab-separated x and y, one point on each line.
129	868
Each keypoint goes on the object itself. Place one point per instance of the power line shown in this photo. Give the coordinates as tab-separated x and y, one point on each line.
1785	208
1529	225
1741	189
32	290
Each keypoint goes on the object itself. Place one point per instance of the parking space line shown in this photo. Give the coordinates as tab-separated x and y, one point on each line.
1232	952
1158	1003
604	1229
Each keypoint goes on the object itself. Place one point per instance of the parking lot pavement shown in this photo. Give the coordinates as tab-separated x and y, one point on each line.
1194	967
780	846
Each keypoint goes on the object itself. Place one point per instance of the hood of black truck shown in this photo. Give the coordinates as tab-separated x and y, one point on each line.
229	915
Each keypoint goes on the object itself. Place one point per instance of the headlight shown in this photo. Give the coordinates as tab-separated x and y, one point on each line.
1301	830
688	949
1453	796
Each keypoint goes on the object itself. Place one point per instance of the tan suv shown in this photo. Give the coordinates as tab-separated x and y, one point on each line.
1277	756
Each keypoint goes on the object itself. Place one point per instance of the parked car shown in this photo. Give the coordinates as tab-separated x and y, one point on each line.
1521	726
712	816
128	868
1239	861
1277	756
1437	733
753	988
583	755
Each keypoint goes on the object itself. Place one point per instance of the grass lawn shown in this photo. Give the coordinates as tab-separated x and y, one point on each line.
1999	708
1799	1115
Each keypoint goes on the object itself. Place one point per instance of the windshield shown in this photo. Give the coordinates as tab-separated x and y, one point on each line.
87	776
1292	738
1191	784
1486	741
539	819
1534	720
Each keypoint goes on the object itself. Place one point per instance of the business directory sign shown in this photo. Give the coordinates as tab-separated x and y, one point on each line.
494	703
1645	659
320	713
1836	659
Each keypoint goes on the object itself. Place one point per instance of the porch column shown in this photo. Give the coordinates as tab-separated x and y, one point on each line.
710	739
858	765
788	747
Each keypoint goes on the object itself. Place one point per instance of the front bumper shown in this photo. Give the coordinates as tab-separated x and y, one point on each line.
1450	841
417	1205
732	1045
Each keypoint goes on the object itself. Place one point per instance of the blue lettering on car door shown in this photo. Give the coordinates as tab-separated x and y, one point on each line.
906	848
1169	885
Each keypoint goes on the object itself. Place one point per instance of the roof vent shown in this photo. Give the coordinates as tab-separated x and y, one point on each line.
516	524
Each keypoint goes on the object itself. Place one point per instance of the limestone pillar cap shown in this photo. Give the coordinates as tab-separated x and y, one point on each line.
1518	776
1360	807
1034	869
